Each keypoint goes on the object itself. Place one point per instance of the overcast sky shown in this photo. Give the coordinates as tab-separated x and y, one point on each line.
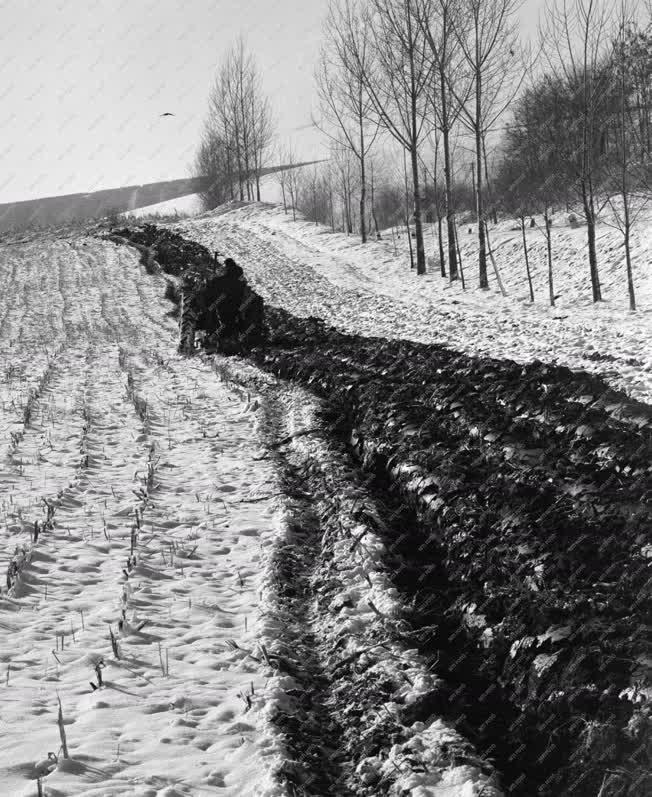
84	83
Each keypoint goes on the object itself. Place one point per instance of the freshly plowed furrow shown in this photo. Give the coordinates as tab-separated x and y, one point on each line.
354	713
522	498
310	732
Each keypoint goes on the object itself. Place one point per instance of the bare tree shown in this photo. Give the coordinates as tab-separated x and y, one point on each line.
344	99
533	177
237	131
345	180
293	179
626	183
372	204
397	77
577	47
438	19
487	36
435	197
216	155
516	195
262	128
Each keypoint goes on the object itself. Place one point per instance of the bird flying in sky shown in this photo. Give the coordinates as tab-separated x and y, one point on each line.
167	113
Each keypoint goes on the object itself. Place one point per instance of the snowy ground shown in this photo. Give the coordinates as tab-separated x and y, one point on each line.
159	499
136	501
369	290
100	419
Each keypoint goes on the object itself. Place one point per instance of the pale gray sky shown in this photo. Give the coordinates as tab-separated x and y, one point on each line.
84	81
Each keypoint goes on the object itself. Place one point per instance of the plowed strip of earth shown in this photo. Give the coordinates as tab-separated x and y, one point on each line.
514	506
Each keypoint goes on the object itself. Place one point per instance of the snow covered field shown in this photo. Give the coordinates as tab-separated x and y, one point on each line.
142	530
107	434
186	531
369	290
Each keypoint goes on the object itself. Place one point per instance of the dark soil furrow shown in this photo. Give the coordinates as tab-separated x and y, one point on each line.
524	493
363	694
311	734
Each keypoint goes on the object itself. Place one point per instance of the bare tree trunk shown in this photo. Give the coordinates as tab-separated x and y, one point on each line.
589	212
330	205
459	257
407	210
450	213
414	123
349	212
409	237
630	276
527	260
493	262
373	205
363	204
624	163
442	263
482	244
418	226
551	289
363	180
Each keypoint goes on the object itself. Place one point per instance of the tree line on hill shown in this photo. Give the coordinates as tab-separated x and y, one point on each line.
237	133
437	111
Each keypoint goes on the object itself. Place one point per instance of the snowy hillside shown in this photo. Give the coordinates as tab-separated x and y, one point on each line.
370	290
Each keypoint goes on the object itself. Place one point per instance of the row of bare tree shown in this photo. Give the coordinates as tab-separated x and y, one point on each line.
238	131
445	78
415	70
479	121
